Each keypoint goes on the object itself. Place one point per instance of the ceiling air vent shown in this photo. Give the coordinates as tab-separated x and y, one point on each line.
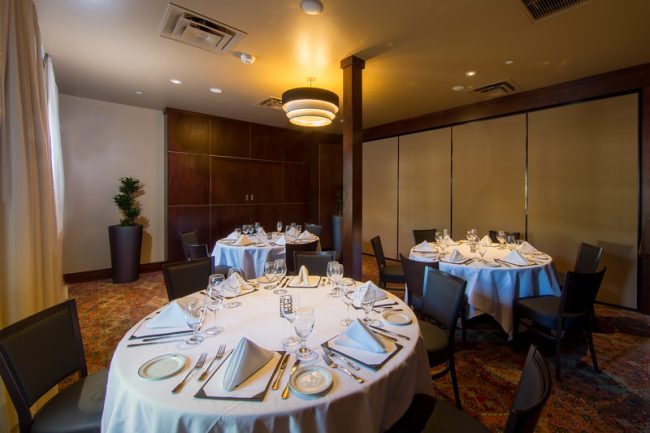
539	9
495	90
271	102
189	27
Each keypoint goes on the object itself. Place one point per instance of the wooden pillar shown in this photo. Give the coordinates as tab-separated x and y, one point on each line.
352	181
643	265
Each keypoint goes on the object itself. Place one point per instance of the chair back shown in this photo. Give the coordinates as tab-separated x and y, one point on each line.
183	278
533	391
38	352
442	298
379	251
188	238
314	261
579	292
290	248
493	235
420	236
196	251
314	229
588	258
414	278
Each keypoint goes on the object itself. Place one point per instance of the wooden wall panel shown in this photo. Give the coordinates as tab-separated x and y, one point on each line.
424	184
225	219
188	133
188	179
229	182
267	142
297	183
583	186
182	219
230	137
330	183
489	174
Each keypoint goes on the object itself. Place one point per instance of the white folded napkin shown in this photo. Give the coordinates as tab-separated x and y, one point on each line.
281	240
486	240
302	279
232	236
293	232
451	242
359	336
243	241
261	231
515	258
368	289
172	316
244	361
306	235
527	248
235	284
456	256
424	247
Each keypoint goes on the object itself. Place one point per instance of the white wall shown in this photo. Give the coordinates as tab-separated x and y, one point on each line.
102	142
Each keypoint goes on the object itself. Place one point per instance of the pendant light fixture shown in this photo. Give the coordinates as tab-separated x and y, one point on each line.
310	106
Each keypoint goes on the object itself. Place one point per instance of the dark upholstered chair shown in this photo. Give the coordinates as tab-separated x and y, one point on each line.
493	235
442	300
420	236
553	316
37	353
588	258
290	248
431	415
314	229
184	278
192	249
414	277
387	273
314	261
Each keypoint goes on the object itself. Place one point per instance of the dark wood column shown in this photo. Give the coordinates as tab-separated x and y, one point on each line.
352	147
644	211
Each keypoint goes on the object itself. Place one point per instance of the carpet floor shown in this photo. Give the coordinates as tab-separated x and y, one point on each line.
616	400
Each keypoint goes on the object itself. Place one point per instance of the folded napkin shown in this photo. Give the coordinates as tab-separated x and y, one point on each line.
424	247
515	258
306	235
456	257
281	240
261	231
293	232
232	236
367	290
451	242
359	336
486	240
235	284
172	316
243	241
245	360
527	248
302	279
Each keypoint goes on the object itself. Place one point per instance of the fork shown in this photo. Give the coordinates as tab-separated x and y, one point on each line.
197	366
331	354
334	365
219	355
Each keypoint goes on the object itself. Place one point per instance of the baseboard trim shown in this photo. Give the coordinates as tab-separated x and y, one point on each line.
102	274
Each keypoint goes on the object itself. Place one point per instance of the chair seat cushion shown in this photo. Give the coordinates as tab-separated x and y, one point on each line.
540	309
393	273
75	409
436	341
448	419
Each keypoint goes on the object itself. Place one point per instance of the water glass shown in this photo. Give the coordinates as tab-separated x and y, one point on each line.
332	274
501	238
280	272
231	272
482	250
213	291
278	226
367	303
269	274
511	242
238	232
299	228
289	305
303	325
347	296
194	314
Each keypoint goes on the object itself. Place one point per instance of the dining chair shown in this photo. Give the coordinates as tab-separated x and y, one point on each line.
290	248
587	261
387	273
315	261
38	352
420	236
442	299
431	415
183	278
553	316
192	249
314	229
493	235
414	278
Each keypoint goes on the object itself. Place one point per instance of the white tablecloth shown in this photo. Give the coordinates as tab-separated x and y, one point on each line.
134	404
493	290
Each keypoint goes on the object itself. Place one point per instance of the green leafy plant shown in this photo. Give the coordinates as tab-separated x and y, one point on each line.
130	188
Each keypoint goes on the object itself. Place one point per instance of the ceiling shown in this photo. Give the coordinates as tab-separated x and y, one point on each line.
415	51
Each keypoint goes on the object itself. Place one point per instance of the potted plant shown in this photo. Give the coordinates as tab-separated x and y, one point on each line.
126	238
337	225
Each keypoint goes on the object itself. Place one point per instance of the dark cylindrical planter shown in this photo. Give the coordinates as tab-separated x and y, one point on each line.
337	235
126	242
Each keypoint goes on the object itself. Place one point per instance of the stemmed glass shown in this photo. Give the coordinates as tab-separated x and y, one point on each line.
367	303
278	226
269	273
280	272
501	238
511	242
231	272
482	249
288	309
216	299
303	325
347	296
334	273
194	314
299	228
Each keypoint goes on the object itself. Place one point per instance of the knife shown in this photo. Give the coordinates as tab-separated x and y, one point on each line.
154	342
283	365
162	337
394	334
285	392
381	334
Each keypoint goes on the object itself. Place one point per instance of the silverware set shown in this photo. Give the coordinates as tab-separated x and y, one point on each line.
390	333
329	352
285	391
220	352
334	365
197	366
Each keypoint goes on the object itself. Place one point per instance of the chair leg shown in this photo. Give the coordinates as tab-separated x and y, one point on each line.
454	381
558	344
593	351
463	316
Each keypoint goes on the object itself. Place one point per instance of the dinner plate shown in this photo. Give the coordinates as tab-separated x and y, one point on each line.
162	367
396	317
311	381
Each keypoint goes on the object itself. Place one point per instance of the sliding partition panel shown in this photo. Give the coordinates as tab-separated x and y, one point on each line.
583	186
424	183
489	176
379	199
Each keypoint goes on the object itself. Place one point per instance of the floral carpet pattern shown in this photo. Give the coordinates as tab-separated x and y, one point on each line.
616	400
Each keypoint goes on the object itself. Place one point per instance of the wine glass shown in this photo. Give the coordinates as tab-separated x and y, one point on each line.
289	305
367	303
238	232
347	296
299	228
231	272
280	272
216	299
501	238
511	242
194	314
257	226
482	249
332	271
303	325
278	226
269	273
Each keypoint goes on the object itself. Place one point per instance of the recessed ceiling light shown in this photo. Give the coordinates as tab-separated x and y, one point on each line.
175	81
137	92
215	90
458	88
311	7
247	59
509	62
470	73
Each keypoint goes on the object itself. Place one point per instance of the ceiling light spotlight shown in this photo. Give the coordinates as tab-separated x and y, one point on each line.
470	73
458	88
509	62
310	106
247	59
311	7
175	81
138	92
215	90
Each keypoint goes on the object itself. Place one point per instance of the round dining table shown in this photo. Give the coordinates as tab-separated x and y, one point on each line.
138	404
492	283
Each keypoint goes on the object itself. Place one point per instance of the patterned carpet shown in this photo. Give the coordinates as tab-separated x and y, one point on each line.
617	400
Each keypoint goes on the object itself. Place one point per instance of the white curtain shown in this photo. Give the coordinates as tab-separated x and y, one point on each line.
31	276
